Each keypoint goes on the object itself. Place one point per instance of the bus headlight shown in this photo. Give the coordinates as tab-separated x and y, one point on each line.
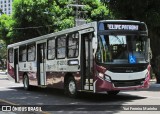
107	78
101	75
104	77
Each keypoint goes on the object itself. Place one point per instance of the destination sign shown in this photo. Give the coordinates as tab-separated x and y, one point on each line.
122	27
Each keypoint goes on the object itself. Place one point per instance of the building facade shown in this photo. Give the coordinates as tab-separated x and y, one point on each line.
6	7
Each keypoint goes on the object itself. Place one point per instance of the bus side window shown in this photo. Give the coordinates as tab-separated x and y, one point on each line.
73	44
22	54
31	52
61	47
51	49
10	53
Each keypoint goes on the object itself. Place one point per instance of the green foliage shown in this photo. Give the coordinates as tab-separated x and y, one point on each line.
5	23
95	10
3	54
32	18
145	10
5	27
3	49
63	15
101	13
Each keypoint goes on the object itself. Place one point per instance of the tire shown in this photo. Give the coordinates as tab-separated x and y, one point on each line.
70	88
26	82
158	77
113	92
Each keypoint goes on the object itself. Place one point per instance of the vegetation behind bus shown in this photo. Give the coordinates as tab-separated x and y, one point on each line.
33	18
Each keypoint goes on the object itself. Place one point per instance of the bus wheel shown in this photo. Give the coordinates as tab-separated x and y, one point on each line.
70	87
113	92
26	82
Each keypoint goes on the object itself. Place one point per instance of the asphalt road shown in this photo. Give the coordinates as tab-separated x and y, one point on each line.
54	101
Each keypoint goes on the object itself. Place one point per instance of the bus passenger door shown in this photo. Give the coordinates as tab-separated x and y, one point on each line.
86	61
41	62
16	70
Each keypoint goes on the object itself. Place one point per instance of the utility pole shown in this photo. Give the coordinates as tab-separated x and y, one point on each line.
79	20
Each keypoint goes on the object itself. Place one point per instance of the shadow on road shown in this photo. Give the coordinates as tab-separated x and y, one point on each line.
55	100
83	96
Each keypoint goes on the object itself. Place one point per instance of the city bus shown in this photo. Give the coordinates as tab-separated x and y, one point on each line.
104	56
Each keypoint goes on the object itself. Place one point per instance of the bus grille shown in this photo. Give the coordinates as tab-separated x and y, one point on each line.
127	83
127	69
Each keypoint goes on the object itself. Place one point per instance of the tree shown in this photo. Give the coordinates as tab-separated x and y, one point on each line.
3	54
5	28
32	18
96	10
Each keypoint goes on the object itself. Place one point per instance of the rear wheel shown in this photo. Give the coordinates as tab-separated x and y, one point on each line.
113	92
26	82
70	87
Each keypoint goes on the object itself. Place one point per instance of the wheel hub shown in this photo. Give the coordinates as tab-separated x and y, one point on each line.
72	87
25	83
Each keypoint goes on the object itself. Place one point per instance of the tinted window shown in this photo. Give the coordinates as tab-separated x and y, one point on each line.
73	43
10	55
61	47
31	52
51	49
22	54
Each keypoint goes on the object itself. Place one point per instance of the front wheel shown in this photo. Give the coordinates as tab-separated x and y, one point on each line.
26	82
113	92
70	87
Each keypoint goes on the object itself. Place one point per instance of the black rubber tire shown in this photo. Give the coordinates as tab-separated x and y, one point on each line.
70	88
26	82
113	92
158	77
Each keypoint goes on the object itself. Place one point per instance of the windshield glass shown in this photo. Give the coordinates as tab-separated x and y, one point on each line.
122	49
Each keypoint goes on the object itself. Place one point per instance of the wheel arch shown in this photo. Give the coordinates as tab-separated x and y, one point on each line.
70	85
66	77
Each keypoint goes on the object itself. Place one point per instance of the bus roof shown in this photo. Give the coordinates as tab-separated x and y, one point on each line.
66	31
51	35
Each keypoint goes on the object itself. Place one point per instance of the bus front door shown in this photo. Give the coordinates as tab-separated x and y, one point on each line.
41	69
16	70
86	61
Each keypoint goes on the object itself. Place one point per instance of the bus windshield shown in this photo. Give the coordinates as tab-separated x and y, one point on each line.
122	49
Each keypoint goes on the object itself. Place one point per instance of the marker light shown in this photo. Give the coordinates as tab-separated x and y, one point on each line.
104	77
73	62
